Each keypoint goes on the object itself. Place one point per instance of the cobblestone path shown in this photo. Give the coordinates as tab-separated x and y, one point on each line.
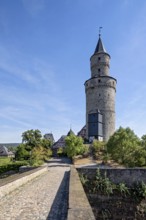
44	198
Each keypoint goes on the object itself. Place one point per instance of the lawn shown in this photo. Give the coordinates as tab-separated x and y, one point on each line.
6	164
4	161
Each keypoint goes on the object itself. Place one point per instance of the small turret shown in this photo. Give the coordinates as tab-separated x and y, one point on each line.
99	61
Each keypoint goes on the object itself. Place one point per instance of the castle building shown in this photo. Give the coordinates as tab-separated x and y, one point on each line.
61	142
5	152
100	96
82	132
49	137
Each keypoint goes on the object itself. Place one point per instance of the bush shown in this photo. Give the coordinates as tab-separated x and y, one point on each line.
97	148
35	163
12	166
61	152
39	155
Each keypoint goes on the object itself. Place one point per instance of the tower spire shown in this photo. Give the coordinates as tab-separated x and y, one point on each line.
99	46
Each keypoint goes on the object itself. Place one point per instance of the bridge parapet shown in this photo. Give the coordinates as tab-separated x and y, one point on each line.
79	207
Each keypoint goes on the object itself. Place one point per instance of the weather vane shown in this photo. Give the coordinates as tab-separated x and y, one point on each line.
100	31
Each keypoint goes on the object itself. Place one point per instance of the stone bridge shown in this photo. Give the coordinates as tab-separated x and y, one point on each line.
53	192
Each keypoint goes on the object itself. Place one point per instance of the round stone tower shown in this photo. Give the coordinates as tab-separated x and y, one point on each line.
100	96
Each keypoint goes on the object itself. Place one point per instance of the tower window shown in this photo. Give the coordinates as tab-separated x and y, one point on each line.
99	58
99	80
98	70
99	94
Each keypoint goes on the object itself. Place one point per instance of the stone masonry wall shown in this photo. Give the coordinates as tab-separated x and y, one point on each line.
128	176
100	61
100	95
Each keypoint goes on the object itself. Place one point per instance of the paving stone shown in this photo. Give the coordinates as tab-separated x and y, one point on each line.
46	197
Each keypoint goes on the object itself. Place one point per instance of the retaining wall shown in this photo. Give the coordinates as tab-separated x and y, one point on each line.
118	175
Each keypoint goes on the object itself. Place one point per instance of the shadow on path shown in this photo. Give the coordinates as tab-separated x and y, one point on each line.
59	207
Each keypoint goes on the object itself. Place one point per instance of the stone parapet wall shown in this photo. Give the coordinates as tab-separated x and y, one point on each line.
128	176
79	207
24	178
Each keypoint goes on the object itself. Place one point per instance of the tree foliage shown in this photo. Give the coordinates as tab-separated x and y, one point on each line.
22	153
46	143
99	152
74	145
31	137
125	147
143	141
33	148
98	146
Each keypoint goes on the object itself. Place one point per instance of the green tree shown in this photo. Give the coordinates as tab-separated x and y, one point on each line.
74	145
22	153
39	154
143	141
34	148
138	158
31	138
122	144
46	143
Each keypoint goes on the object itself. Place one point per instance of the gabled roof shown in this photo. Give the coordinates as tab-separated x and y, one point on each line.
100	46
82	132
5	152
60	142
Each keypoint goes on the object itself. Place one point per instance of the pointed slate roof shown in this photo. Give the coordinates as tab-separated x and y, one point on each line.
100	46
60	142
70	132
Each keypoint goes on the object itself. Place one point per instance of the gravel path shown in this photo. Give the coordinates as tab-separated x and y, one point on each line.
46	197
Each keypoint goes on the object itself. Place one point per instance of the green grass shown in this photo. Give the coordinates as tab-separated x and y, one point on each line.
6	164
4	161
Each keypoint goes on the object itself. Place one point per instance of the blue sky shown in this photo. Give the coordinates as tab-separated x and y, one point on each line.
45	50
